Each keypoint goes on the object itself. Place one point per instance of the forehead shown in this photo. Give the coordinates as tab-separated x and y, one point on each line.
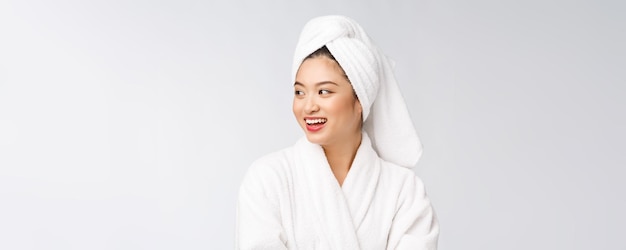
319	69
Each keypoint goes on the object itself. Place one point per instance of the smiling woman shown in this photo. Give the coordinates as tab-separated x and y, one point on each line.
328	110
347	184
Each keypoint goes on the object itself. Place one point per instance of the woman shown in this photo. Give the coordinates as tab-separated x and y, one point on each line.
348	183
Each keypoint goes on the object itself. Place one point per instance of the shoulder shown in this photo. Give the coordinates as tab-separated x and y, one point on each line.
274	162
269	170
397	173
402	178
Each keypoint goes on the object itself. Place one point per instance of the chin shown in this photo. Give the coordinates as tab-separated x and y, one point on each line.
315	139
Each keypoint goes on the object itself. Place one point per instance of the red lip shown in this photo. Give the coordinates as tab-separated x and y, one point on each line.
313	127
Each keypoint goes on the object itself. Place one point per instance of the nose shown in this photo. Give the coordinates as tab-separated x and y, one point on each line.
311	105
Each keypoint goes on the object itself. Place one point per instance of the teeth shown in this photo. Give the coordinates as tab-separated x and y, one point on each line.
315	121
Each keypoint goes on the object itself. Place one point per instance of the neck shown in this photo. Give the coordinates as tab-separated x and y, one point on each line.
340	156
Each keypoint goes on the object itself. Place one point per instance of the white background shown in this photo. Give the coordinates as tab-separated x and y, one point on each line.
130	124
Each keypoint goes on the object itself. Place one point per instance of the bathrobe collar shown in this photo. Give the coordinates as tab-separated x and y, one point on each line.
340	209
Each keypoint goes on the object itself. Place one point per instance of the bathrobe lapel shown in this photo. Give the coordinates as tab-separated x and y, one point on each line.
360	184
339	210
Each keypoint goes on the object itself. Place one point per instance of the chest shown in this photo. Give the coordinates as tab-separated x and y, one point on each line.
308	228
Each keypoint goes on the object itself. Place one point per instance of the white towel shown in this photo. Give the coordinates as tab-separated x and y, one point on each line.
385	116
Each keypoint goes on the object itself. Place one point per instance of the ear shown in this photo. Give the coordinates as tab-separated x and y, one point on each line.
357	105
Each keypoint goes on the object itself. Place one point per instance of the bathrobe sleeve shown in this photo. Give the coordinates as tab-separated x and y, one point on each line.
415	225
258	212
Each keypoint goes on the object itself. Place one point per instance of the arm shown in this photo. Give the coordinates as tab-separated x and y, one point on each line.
415	225
258	215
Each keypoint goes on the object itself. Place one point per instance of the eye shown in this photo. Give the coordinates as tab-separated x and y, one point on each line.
298	92
324	92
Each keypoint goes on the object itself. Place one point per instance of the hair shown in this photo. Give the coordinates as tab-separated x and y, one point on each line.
323	51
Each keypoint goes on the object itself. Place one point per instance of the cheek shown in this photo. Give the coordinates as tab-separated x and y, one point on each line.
296	107
345	108
352	111
358	109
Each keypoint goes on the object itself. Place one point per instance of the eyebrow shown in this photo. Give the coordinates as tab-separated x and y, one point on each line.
317	84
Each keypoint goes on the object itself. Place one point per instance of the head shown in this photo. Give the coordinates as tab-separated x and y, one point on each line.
325	104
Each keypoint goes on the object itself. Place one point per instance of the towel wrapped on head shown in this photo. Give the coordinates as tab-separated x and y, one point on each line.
385	116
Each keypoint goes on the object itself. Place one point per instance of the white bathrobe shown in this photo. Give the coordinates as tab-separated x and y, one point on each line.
290	199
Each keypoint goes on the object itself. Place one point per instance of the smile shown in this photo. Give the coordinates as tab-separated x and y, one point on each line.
314	124
315	121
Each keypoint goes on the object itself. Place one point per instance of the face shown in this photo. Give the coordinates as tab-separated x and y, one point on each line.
324	103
